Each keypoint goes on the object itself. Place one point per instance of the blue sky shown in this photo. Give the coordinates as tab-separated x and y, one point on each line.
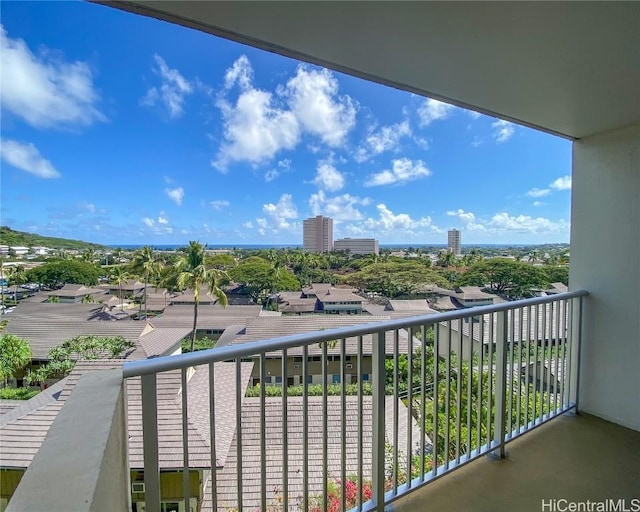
121	129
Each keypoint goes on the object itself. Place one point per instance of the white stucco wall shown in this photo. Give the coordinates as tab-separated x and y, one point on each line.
605	260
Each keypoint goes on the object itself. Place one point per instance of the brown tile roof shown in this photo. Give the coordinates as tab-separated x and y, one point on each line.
22	432
271	327
75	290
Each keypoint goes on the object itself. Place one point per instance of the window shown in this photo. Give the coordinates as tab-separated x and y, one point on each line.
278	380
365	377
297	359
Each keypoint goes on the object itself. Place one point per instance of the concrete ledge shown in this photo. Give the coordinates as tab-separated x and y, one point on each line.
82	464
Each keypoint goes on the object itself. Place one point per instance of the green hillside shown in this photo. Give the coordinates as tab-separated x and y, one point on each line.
19	238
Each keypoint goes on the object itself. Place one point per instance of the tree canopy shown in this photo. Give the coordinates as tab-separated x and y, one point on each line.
15	354
57	273
258	278
394	279
514	279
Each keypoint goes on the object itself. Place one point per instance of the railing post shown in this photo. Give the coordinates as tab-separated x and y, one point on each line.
501	382
576	342
378	452
150	441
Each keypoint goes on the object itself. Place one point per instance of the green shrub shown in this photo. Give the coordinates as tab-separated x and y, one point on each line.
18	393
312	390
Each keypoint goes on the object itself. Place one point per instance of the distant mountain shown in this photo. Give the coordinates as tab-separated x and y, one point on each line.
19	238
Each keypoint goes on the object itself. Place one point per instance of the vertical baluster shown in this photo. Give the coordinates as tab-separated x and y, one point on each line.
343	417
556	363
360	421
568	353
239	433
550	360
423	398
459	358
480	389
517	374
186	493
490	377
436	370
578	354
501	381
396	350
409	451
447	397
543	364
150	441
212	437
305	429
263	433
536	338
470	386
325	428
378	452
511	348
285	433
527	369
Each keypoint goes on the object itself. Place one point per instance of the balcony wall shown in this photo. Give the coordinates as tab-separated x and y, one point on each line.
605	259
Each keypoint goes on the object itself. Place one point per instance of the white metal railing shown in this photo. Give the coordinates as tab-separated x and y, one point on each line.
475	379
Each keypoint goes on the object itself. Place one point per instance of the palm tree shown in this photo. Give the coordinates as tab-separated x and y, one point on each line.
119	276
18	277
194	274
144	263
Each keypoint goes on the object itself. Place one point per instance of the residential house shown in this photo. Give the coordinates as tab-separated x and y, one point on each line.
74	293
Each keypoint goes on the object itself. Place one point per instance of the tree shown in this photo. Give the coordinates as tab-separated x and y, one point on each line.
62	358
256	275
58	273
15	354
18	277
119	276
192	273
144	263
515	279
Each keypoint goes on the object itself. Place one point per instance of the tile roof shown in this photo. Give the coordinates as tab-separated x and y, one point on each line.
23	431
262	328
419	305
75	290
251	460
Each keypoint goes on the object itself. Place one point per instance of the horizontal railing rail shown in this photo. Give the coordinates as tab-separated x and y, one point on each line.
444	389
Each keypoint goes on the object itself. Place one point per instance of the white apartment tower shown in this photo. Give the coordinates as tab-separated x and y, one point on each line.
357	245
454	242
317	234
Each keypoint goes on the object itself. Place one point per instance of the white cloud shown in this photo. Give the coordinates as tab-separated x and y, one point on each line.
279	214
159	226
173	88
388	222
255	128
538	192
283	166
433	110
328	177
387	138
526	224
45	90
90	207
219	204
473	114
248	225
402	171
175	194
468	219
341	208
563	183
26	157
538	203
313	98
241	73
502	130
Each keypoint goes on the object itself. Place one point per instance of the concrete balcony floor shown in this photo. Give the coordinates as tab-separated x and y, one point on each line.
577	458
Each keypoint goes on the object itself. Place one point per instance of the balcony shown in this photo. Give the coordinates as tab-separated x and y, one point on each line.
505	378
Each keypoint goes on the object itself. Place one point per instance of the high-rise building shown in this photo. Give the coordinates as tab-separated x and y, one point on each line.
454	242
317	234
357	245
